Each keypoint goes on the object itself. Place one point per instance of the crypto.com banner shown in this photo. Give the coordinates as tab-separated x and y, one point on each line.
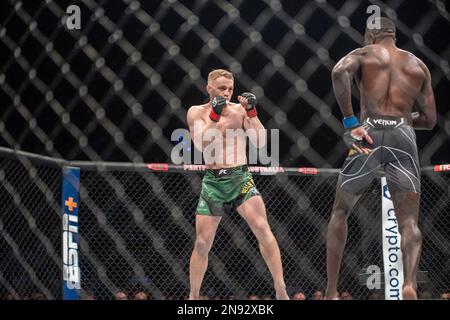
392	255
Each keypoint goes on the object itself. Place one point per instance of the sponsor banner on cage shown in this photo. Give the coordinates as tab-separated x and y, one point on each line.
308	170
194	167
392	255
70	204
158	166
442	167
270	170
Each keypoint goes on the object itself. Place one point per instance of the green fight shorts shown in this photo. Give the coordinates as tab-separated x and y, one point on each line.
225	189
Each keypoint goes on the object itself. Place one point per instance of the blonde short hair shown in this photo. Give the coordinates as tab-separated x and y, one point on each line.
217	73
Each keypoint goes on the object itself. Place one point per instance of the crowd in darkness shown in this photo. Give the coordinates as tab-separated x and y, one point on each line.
317	295
299	295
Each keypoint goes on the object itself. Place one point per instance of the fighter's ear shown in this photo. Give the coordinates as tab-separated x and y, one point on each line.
208	88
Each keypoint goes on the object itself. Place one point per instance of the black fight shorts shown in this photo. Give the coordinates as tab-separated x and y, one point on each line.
394	151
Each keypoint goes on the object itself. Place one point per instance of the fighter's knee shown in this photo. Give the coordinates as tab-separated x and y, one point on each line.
261	226
407	224
340	214
417	235
410	230
262	231
202	246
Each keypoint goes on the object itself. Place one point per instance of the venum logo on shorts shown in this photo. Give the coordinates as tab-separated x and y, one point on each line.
222	171
384	122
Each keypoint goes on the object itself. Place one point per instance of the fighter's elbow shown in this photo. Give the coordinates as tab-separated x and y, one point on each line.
338	71
339	75
431	122
428	121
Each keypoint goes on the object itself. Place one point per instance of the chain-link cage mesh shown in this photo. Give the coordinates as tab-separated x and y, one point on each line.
140	231
30	227
137	234
115	90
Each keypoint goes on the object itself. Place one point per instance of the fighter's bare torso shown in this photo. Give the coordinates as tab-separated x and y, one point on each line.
390	80
230	150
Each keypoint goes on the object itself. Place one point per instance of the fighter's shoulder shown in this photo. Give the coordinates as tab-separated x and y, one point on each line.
197	108
409	55
196	111
363	51
420	63
412	58
358	54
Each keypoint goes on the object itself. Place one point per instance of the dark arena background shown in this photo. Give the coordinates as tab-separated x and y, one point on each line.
106	98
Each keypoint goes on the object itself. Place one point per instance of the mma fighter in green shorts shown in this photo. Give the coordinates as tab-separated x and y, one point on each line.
228	181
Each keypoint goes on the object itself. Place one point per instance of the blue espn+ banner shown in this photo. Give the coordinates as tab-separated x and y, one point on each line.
70	240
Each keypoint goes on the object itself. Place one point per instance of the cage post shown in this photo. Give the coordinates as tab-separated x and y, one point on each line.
392	255
70	239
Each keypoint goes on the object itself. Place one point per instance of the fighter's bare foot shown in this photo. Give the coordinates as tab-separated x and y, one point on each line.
331	294
409	293
281	293
282	296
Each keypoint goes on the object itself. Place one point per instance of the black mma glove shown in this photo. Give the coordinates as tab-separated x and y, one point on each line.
218	103
251	104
